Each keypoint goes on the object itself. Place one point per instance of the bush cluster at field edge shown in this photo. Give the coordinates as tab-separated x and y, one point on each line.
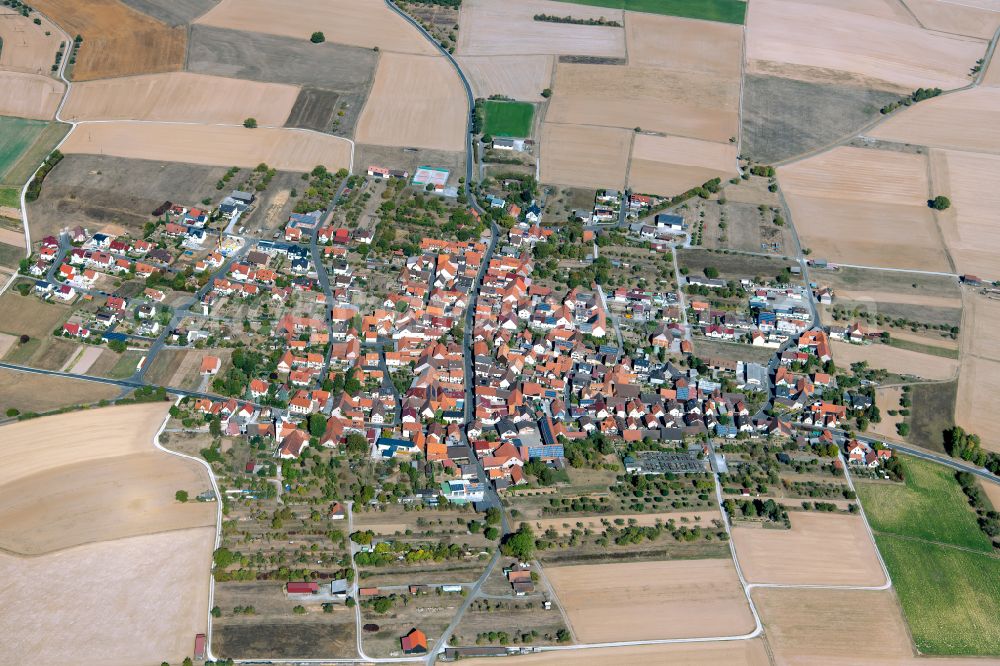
508	118
16	135
940	562
725	11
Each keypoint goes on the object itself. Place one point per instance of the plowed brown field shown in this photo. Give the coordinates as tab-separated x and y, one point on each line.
29	95
284	149
181	96
828	36
672	165
585	156
416	101
26	47
367	23
849	204
117	40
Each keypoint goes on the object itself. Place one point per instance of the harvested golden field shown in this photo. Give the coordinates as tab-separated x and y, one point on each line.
647	600
850	203
519	77
967	120
701	106
732	653
928	300
26	315
29	95
684	45
992	491
131	601
584	156
819	549
890	51
26	47
970	227
806	627
508	28
366	23
959	18
979	375
29	392
284	149
672	165
181	97
895	360
402	111
117	40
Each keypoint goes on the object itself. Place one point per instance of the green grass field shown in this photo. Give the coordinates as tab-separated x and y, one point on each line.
10	196
725	11
25	166
930	506
951	598
508	118
16	136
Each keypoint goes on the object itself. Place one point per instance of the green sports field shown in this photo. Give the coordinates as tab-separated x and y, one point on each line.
16	136
942	566
508	118
724	11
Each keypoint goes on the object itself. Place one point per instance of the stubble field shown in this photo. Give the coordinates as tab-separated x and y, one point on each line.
174	12
117	40
895	360
26	47
518	77
585	156
817	550
850	203
645	600
283	149
969	227
672	165
365	23
684	44
39	393
733	653
522	35
181	97
961	18
29	95
979	374
966	120
400	112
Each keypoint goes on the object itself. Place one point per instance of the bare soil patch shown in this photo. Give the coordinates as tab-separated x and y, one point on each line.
284	149
672	165
117	40
26	47
850	203
826	36
38	393
734	653
585	156
783	117
702	106
895	360
645	600
400	112
967	120
314	109
181	96
156	585
518	77
521	35
29	95
817	550
366	23
172	12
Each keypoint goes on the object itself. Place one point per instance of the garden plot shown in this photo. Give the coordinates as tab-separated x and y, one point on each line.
701	106
521	35
26	47
366	23
284	149
183	97
849	204
672	165
819	549
585	156
895	360
889	51
29	95
967	120
648	600
518	77
117	40
401	111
